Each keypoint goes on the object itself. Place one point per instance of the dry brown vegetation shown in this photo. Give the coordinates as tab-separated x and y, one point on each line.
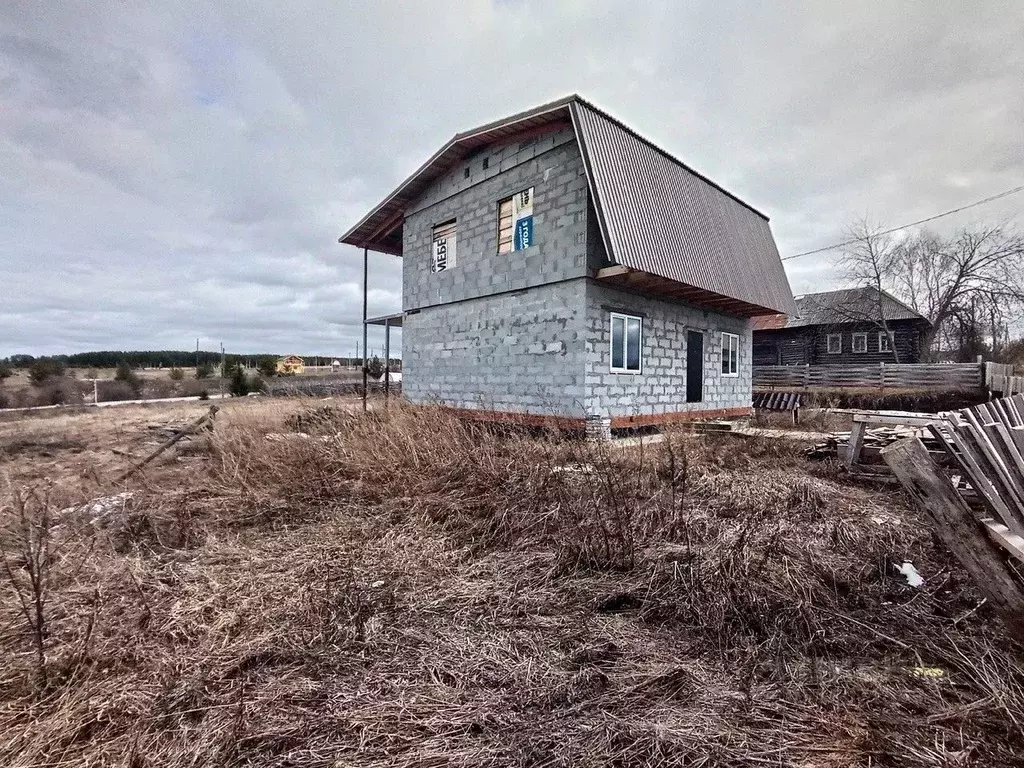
399	588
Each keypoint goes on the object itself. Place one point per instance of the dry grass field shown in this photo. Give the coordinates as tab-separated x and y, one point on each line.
313	586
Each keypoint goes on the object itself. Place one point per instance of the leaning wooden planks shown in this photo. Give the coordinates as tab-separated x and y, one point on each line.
987	441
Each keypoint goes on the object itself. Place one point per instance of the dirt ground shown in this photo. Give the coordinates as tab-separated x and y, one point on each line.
82	450
315	586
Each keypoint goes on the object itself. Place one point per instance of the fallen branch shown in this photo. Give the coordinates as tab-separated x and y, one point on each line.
205	418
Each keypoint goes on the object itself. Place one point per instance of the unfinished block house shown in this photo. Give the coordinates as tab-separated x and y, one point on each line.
557	266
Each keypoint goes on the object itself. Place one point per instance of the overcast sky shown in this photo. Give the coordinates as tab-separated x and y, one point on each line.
172	172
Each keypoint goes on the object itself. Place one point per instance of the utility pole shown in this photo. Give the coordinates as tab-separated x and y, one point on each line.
197	354
222	361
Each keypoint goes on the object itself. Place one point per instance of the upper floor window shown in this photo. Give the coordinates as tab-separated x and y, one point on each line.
626	340
834	342
730	354
884	342
443	245
860	342
515	222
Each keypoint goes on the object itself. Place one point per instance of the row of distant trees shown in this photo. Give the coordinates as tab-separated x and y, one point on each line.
969	285
159	359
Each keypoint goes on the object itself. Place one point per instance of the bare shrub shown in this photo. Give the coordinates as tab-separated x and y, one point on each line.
111	391
59	390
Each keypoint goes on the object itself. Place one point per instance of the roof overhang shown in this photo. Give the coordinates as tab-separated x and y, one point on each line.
646	282
380	230
392	321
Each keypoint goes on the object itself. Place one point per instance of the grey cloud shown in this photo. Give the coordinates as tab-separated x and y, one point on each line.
174	170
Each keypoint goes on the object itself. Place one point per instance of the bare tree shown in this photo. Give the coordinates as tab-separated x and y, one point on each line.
978	273
982	266
871	260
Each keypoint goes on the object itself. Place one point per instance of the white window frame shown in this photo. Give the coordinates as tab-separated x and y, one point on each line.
625	343
730	341
884	342
828	344
853	343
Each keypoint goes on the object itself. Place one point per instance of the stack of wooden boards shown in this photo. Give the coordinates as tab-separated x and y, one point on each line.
980	514
987	444
873	431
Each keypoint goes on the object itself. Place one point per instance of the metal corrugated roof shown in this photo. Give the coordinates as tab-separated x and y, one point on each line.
661	217
848	305
377	230
656	214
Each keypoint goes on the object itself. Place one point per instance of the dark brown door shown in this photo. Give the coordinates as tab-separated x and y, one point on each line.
694	366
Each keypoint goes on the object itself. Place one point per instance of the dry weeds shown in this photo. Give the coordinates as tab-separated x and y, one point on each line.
400	589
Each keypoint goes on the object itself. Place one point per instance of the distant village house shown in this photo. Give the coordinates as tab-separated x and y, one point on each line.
291	365
854	326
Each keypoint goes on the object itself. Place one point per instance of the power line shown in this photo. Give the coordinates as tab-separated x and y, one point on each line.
911	224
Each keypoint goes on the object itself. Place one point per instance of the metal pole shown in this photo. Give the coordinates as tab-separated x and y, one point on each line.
387	360
365	289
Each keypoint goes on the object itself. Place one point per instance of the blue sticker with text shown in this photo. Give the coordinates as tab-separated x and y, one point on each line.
524	233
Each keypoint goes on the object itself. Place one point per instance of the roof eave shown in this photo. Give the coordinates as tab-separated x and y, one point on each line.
351	237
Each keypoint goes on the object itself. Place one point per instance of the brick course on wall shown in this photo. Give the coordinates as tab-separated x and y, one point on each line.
552	165
519	352
661	387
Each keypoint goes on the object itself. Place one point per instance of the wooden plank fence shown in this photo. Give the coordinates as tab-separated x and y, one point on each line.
937	376
999	378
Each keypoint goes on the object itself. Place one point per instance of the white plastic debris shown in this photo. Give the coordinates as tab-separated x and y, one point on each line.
583	469
99	510
914	578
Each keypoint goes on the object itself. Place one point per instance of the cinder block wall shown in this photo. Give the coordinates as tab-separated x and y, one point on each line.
519	352
552	165
661	388
475	336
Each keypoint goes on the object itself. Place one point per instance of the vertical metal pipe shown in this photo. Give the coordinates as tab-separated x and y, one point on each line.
387	360
365	291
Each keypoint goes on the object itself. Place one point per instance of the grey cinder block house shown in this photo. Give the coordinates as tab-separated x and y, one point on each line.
559	266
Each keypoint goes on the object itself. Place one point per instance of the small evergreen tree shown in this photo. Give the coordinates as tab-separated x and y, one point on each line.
239	382
5	371
267	367
176	374
43	369
204	371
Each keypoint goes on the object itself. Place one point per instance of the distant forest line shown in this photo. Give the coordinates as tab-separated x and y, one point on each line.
163	359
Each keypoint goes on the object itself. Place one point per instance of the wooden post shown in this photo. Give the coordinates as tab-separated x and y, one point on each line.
881	378
964	535
853	448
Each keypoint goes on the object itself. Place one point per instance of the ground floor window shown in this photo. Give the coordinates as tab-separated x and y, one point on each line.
730	354
626	340
884	342
835	343
860	342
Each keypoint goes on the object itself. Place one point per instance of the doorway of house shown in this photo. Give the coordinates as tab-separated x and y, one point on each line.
694	366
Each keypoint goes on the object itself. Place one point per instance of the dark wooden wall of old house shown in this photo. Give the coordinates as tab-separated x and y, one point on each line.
808	345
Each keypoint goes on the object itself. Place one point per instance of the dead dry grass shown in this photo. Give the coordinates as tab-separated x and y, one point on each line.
400	589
